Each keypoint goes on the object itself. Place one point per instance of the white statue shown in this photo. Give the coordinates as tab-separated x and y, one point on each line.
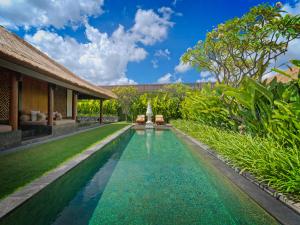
149	114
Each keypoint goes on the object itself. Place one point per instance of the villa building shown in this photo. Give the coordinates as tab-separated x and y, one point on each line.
37	94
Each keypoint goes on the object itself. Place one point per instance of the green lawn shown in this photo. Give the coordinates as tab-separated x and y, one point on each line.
19	168
269	161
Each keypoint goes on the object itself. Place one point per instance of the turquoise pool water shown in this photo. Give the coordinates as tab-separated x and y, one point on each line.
144	177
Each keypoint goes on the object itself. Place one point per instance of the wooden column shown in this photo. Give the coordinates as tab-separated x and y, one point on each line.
50	104
101	111
13	112
74	105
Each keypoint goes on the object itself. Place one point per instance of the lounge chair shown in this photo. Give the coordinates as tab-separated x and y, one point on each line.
159	119
140	119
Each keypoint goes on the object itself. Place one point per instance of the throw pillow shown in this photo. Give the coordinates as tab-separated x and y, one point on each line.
34	115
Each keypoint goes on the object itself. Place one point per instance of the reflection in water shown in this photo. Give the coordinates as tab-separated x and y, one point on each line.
140	132
158	132
149	133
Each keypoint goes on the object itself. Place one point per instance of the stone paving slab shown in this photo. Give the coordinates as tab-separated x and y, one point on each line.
23	194
45	139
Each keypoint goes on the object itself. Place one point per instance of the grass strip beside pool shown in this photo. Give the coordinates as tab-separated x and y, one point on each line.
21	167
269	161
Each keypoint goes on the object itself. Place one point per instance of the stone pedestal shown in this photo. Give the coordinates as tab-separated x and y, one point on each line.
149	125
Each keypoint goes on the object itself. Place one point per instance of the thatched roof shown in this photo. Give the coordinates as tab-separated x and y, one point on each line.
284	79
17	51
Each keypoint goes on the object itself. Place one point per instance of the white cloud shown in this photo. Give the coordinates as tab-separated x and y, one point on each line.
294	46
160	54
163	53
124	80
165	79
150	27
43	13
175	2
104	58
206	76
292	10
182	68
154	63
166	12
283	60
179	80
293	52
268	75
5	3
169	78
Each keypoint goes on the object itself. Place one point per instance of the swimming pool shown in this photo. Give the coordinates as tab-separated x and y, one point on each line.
143	177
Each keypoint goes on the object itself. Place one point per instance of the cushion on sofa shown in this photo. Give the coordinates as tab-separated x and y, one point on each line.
41	116
58	116
24	117
34	115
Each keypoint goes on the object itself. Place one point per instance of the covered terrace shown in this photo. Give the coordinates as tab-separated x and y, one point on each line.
38	96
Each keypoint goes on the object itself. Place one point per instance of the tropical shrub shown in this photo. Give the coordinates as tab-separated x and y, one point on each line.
270	109
111	107
206	106
238	53
130	103
250	104
88	107
284	123
245	46
165	102
126	97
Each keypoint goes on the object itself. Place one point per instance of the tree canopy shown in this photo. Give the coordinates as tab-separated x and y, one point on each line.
245	46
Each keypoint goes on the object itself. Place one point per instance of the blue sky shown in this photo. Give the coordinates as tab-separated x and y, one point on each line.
120	42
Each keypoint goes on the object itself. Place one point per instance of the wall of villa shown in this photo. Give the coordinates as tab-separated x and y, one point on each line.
4	94
34	95
60	100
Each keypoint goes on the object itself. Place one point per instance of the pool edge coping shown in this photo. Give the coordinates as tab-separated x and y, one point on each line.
274	203
20	196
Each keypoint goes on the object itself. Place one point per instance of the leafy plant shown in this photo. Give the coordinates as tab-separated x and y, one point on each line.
285	120
245	46
207	107
250	104
126	96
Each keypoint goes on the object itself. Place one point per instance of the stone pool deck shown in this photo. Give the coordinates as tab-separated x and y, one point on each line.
23	194
156	127
282	209
44	139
